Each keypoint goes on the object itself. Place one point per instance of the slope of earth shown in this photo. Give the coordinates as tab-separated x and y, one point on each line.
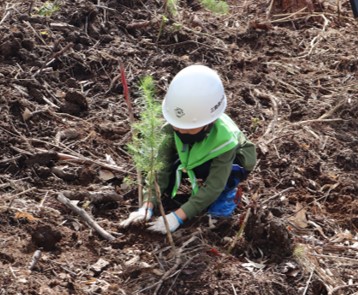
290	73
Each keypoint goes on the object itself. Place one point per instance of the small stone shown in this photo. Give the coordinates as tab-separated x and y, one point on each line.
100	265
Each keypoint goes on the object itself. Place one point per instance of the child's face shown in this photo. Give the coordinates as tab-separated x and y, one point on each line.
189	131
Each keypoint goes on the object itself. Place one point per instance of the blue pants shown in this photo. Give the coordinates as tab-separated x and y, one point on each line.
225	204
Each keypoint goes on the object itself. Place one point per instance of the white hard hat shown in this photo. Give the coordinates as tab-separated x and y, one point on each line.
195	98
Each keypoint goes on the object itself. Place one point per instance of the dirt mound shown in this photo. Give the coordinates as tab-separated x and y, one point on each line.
290	73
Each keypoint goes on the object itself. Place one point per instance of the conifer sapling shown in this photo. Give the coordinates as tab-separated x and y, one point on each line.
147	140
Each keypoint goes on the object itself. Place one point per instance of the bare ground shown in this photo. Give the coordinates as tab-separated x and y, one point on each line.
291	78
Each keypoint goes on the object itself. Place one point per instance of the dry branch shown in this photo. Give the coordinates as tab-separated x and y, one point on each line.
308	261
276	195
333	110
92	196
86	217
262	143
35	258
178	261
342	287
316	121
241	231
17	195
82	159
308	282
7	13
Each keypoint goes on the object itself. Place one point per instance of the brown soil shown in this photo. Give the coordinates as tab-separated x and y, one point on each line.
291	79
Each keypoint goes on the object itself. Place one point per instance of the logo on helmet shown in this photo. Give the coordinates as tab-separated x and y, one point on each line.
179	112
215	107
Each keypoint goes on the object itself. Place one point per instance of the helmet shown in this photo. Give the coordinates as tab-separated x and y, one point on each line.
195	98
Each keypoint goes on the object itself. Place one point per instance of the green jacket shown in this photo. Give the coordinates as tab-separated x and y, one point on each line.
242	152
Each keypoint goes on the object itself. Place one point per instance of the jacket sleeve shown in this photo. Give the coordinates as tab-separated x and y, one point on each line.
246	153
215	183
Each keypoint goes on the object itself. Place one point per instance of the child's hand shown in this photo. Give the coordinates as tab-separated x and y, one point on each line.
143	213
174	221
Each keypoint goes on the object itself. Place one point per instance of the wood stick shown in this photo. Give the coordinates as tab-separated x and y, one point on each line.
316	121
276	195
342	287
262	143
7	13
104	196
17	195
308	282
86	217
82	159
240	232
131	121
35	258
178	261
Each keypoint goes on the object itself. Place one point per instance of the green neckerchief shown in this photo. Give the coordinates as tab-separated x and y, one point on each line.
222	137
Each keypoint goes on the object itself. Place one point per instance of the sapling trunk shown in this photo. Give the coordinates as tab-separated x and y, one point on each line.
146	141
162	212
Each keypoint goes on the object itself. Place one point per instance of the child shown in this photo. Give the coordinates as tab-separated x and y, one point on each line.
202	144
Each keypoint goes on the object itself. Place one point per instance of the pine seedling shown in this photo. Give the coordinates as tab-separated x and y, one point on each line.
146	141
48	8
145	144
216	6
170	11
172	7
131	121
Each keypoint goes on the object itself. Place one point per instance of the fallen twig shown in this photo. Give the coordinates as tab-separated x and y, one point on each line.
12	272
5	185
341	287
262	143
314	42
355	261
7	13
178	261
308	282
17	195
35	258
86	217
93	196
308	261
268	12
289	16
316	121
243	225
332	111
82	159
276	195
233	288
52	58
36	33
240	232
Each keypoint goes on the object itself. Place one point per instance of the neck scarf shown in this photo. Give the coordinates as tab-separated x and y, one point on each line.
223	136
